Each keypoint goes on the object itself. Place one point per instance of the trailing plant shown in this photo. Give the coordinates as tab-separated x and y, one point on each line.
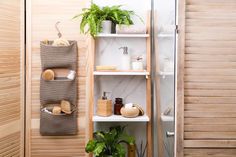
117	15
109	143
92	17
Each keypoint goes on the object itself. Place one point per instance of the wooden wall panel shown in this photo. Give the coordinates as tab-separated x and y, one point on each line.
206	103
11	78
42	16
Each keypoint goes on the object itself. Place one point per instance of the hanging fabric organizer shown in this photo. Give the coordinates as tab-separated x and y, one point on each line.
52	92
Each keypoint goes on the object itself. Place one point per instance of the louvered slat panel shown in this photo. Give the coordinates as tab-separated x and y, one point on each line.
10	145
209	78
11	78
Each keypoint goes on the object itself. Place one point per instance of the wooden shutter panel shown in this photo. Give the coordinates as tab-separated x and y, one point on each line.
11	78
206	79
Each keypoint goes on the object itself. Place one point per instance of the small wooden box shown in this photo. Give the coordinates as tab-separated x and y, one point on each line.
104	108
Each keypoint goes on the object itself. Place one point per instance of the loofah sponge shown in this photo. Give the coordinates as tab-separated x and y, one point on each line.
129	112
66	107
60	42
48	75
56	110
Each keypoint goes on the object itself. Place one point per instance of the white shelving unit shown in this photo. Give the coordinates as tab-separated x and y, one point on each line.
145	90
117	118
122	35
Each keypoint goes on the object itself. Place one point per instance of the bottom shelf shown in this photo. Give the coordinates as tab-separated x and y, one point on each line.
118	118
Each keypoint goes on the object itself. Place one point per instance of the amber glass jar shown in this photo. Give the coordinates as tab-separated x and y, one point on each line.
117	106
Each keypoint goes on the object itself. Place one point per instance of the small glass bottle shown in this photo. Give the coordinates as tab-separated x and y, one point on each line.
117	106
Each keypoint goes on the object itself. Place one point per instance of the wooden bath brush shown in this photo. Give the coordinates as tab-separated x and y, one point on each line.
48	75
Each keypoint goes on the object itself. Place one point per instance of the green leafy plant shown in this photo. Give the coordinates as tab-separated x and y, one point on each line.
117	15
92	17
109	143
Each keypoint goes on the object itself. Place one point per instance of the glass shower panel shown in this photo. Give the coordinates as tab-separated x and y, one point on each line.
164	40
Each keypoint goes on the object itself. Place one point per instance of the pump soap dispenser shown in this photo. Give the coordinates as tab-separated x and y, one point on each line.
104	106
125	59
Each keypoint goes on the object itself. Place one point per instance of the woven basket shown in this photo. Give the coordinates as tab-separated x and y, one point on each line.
58	125
59	56
59	89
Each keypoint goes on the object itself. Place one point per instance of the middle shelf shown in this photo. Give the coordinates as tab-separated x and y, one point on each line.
119	118
142	73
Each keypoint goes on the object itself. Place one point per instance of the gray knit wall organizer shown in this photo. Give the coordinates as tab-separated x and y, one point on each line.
52	92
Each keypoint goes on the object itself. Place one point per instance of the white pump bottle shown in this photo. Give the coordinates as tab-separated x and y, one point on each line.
125	59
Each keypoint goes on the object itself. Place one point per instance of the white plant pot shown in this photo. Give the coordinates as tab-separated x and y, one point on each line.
130	29
106	27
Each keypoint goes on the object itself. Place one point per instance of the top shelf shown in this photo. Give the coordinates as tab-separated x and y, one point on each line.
122	35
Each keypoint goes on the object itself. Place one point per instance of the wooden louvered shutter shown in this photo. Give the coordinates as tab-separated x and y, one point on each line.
11	78
206	79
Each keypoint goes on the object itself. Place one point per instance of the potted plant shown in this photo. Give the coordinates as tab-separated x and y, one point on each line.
96	20
109	144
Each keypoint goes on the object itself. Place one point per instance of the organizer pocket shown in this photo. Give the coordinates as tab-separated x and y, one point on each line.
59	56
58	125
57	90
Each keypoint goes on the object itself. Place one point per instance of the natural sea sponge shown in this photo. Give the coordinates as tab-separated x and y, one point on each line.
66	107
48	75
129	112
56	110
60	42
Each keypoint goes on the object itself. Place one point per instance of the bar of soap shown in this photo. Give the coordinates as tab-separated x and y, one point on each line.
66	107
129	105
56	110
48	75
105	67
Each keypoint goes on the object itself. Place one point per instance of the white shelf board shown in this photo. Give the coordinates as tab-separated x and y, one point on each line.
162	35
142	73
123	35
118	118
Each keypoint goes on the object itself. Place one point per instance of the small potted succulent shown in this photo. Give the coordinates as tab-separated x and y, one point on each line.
109	144
99	20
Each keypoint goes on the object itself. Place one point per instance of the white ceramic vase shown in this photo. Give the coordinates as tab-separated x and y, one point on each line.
106	27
